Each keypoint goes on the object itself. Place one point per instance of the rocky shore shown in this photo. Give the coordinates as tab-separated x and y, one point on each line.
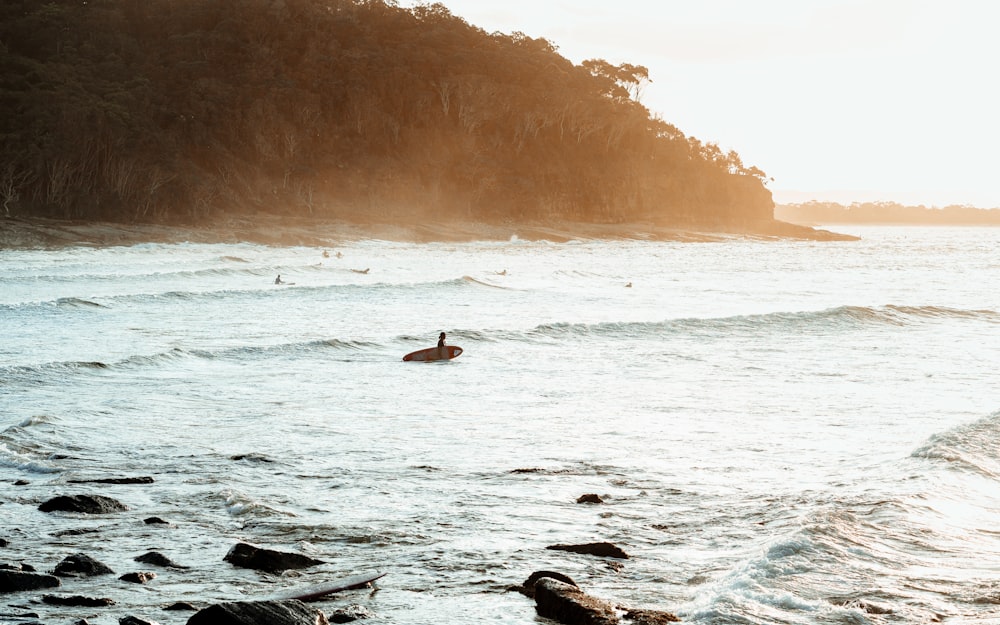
25	591
20	233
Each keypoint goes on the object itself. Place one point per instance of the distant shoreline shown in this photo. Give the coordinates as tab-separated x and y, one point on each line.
21	233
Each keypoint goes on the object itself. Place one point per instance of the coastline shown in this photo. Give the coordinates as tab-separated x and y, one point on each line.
41	233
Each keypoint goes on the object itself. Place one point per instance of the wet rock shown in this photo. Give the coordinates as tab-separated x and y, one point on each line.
115	480
3	542
76	532
181	606
21	483
155	520
251	557
133	620
81	565
82	621
649	617
138	577
570	605
16	581
867	606
85	504
589	498
528	587
78	600
604	550
158	559
349	614
256	612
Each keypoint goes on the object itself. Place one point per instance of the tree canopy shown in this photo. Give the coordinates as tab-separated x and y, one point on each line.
179	111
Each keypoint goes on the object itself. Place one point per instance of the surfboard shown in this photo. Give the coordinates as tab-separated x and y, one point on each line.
434	353
310	593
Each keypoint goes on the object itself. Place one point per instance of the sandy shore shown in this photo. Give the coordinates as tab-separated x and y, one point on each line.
18	233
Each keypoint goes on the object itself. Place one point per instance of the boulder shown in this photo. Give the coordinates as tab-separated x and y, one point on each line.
251	557
85	504
257	612
528	587
649	617
589	498
181	606
78	600
349	614
604	550
81	565
138	577
570	605
158	559
3	542
133	620
154	520
16	581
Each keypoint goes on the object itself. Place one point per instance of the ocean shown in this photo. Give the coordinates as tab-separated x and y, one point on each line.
781	431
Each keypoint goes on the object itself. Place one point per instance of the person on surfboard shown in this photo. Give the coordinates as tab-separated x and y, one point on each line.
278	279
441	341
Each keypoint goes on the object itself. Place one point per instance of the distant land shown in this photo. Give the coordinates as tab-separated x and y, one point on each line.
200	113
829	213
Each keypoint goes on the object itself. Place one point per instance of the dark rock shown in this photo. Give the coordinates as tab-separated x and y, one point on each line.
81	565
181	606
867	606
649	617
82	621
86	504
21	483
158	559
257	612
76	532
528	587
132	620
3	542
604	550
16	581
78	600
115	480
27	568
138	578
349	614
155	520
589	498
570	605
251	557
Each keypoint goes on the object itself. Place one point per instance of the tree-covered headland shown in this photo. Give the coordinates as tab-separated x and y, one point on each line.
181	111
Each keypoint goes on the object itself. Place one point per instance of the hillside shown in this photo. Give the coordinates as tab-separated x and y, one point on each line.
184	112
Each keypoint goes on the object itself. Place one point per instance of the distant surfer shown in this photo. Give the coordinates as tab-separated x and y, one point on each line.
501	273
441	341
326	254
278	280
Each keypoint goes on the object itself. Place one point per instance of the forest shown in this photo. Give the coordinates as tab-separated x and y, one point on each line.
182	111
816	212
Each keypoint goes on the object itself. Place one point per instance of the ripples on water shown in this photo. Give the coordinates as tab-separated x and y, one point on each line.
783	432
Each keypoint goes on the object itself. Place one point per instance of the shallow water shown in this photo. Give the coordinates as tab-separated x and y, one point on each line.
783	431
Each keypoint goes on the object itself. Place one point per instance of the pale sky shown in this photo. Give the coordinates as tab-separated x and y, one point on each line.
846	100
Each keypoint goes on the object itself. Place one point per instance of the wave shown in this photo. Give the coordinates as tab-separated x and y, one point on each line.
971	447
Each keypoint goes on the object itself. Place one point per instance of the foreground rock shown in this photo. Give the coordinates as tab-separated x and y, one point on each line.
17	581
268	560
158	559
258	612
138	577
85	504
570	605
350	614
81	565
528	587
604	550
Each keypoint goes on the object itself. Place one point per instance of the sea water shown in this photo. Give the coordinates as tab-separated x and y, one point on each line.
782	431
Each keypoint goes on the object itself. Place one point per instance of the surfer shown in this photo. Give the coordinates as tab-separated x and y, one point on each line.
278	280
441	340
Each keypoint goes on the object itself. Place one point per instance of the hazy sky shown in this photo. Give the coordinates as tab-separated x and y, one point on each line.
876	99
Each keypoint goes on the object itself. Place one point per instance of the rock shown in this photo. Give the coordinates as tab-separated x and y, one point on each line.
155	520
138	578
604	550
570	605
158	559
181	606
21	483
528	587
132	620
82	621
115	480
251	557
78	600
81	565
3	542
349	614
257	612
589	498
16	581
86	504
649	617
